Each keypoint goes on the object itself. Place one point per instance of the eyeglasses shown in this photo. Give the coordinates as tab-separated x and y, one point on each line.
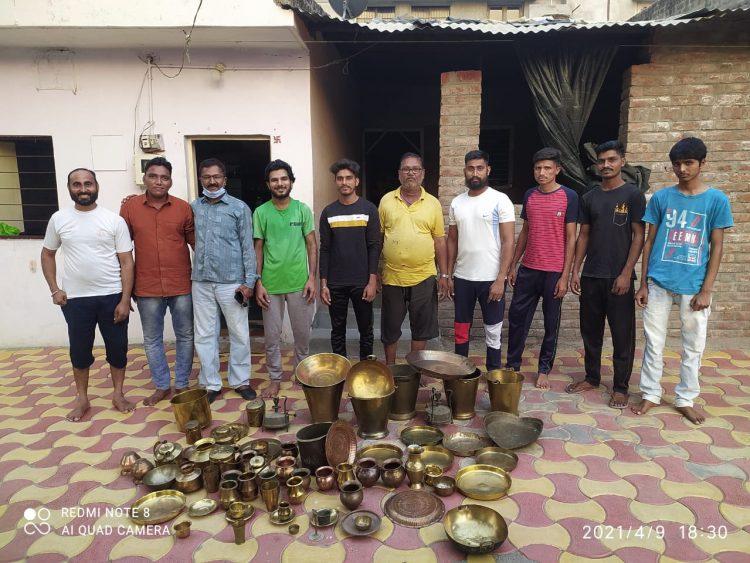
415	170
215	178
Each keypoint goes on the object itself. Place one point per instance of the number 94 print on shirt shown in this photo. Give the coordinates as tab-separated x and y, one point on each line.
685	236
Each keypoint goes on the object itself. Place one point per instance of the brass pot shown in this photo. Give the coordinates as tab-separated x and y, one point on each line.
127	461
504	387
324	403
304	473
404	399
140	468
431	473
191	405
296	493
344	473
372	416
189	479
393	473
351	494
370	379
463	395
415	467
248	486
166	452
266	474
367	471
325	477
289	449
284	467
228	493
255	410
311	442
193	431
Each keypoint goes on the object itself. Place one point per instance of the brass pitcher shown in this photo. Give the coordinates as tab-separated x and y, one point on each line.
414	466
463	393
504	388
166	452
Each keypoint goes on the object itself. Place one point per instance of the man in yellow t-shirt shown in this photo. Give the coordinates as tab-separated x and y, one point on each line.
413	236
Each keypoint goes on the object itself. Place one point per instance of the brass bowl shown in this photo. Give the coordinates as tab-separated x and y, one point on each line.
510	431
437	455
322	370
182	529
362	522
432	472
475	529
161	477
444	486
499	457
483	482
369	379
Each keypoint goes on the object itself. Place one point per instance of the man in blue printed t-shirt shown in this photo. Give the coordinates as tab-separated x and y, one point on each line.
681	259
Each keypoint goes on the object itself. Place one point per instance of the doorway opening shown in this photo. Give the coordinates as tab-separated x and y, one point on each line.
382	151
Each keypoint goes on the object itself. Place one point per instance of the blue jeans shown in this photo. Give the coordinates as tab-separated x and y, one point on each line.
152	311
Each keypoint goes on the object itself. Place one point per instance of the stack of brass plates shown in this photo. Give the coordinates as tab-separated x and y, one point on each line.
414	509
157	507
483	482
510	431
464	444
437	455
499	457
421	435
341	443
322	370
381	452
443	365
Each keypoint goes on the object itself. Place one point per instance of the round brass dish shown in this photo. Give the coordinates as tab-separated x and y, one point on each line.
483	482
444	486
499	457
442	365
202	507
341	443
361	523
322	370
421	435
369	379
475	529
235	429
157	507
414	508
510	431
437	455
464	444
380	452
161	477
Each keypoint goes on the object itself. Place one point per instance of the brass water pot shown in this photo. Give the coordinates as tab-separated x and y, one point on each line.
415	466
463	395
504	387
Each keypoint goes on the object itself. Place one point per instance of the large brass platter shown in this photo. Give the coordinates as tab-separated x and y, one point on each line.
499	457
443	365
421	435
414	508
510	431
465	444
380	452
157	507
437	455
341	443
322	370
475	529
369	379
483	482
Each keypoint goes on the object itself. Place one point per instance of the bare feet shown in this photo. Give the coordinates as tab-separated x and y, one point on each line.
122	404
81	408
643	407
542	382
579	387
271	390
693	415
157	396
618	400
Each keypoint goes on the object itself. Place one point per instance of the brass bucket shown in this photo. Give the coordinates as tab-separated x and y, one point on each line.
372	416
311	442
463	395
191	405
324	402
404	400
504	387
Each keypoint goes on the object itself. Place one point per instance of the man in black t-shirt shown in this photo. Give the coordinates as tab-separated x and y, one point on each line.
611	240
349	252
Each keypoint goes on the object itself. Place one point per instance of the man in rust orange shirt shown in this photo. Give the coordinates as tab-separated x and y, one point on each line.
162	227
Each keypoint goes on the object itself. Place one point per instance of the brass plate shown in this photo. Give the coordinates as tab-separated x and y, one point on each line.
499	457
202	507
442	365
322	370
414	509
421	435
380	452
347	524
238	431
464	444
161	506
341	443
437	455
274	447
483	482
474	528
510	431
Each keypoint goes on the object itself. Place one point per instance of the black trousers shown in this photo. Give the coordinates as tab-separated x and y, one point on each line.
340	297
597	304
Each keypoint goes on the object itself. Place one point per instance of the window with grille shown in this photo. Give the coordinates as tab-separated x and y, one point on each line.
430	12
498	143
28	188
377	13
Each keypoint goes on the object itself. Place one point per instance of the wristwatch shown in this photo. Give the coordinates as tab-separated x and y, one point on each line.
445	276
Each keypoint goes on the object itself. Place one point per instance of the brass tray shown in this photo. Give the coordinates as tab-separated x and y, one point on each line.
380	452
348	523
161	506
483	482
414	509
464	444
341	443
274	447
437	455
421	435
238	430
475	529
499	457
202	507
322	370
510	431
442	365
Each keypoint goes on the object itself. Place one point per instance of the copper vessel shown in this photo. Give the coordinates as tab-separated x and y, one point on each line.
166	452
415	467
351	494
127	461
191	405
344	473
393	473
304	473
367	471
248	486
289	449
255	411
189	479
211	477
193	431
140	468
404	400
311	442
504	387
325	477
284	467
463	394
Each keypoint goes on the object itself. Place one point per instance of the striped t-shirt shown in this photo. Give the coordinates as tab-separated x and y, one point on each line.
547	213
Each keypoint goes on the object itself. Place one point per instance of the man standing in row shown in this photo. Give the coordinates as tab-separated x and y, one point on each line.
611	240
96	286
223	280
287	254
480	249
547	245
349	254
413	236
161	227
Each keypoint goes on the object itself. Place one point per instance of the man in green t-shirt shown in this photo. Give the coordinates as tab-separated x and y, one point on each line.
287	256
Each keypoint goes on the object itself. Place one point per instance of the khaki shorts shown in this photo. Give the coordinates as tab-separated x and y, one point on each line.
420	301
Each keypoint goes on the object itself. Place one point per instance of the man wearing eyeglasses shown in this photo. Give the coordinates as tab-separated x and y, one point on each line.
224	274
413	237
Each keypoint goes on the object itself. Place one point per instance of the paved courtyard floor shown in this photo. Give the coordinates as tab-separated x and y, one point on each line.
598	484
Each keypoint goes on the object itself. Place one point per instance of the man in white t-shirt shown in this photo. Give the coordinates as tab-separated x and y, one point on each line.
96	284
480	250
